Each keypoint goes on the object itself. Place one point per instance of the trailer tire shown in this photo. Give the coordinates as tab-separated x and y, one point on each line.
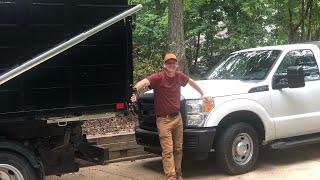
15	166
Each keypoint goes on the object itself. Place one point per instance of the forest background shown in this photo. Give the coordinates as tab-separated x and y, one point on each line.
215	28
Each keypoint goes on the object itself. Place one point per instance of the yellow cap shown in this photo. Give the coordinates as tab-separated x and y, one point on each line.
170	56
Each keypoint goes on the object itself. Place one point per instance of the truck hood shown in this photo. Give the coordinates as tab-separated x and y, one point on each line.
215	88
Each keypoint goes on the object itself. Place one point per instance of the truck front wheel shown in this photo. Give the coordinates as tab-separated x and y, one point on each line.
238	149
15	167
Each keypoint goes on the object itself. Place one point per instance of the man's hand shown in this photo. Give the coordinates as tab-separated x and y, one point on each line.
133	98
206	98
140	85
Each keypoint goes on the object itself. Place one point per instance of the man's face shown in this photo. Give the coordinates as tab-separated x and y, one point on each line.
171	65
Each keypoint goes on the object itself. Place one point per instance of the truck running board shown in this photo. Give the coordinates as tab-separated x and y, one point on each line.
296	141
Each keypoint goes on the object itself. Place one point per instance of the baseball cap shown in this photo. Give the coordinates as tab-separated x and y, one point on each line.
169	56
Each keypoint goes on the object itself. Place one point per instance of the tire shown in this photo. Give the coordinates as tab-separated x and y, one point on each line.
238	149
14	166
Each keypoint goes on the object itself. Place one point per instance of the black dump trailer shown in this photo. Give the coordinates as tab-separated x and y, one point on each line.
41	110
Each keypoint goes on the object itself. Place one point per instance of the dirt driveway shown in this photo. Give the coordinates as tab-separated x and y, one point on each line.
301	163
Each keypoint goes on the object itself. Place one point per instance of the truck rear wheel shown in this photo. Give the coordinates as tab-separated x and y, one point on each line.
238	149
15	167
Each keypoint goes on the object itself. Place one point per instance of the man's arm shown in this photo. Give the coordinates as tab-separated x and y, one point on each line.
195	86
140	85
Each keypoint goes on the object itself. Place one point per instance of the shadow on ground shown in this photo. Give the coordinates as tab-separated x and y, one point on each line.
269	161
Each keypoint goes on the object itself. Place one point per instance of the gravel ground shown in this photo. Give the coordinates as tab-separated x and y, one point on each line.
110	126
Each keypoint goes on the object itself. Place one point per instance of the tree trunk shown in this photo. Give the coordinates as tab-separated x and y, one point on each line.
290	25
158	7
197	50
176	33
317	32
309	20
302	16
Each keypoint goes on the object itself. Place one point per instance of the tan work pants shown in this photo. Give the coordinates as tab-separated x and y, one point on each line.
170	132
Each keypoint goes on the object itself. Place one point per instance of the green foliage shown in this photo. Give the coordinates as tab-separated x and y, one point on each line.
149	38
223	27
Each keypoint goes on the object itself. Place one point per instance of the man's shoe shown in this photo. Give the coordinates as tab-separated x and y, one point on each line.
179	178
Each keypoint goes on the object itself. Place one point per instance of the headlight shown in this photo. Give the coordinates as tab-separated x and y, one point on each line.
195	120
194	106
197	112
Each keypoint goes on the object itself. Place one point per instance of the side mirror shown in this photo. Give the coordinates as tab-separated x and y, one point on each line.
295	76
293	79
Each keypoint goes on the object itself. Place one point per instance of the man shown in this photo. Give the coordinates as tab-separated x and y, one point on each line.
167	85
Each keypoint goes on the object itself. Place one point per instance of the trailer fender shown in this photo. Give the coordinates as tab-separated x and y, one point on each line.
8	145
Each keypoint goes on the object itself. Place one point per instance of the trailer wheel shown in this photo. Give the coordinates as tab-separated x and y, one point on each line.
15	167
238	149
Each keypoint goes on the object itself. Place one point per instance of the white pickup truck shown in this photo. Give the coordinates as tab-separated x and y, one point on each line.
261	96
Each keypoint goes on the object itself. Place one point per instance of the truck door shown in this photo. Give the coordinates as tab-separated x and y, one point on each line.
296	110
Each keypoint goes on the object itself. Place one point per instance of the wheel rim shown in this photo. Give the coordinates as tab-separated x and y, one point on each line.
8	172
242	149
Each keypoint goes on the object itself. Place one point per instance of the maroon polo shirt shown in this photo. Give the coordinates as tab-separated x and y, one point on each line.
167	91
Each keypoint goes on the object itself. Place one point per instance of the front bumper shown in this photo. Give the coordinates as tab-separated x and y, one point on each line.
199	141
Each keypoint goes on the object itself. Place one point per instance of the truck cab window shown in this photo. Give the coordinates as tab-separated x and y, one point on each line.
304	58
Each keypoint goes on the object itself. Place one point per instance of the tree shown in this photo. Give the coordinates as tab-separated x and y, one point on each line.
176	33
149	37
214	28
298	19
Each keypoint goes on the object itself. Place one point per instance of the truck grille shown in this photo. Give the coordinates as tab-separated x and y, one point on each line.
190	141
146	112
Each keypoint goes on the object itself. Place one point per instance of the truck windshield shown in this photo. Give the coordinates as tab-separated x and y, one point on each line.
251	65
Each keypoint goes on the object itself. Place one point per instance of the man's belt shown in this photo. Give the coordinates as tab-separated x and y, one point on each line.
172	115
